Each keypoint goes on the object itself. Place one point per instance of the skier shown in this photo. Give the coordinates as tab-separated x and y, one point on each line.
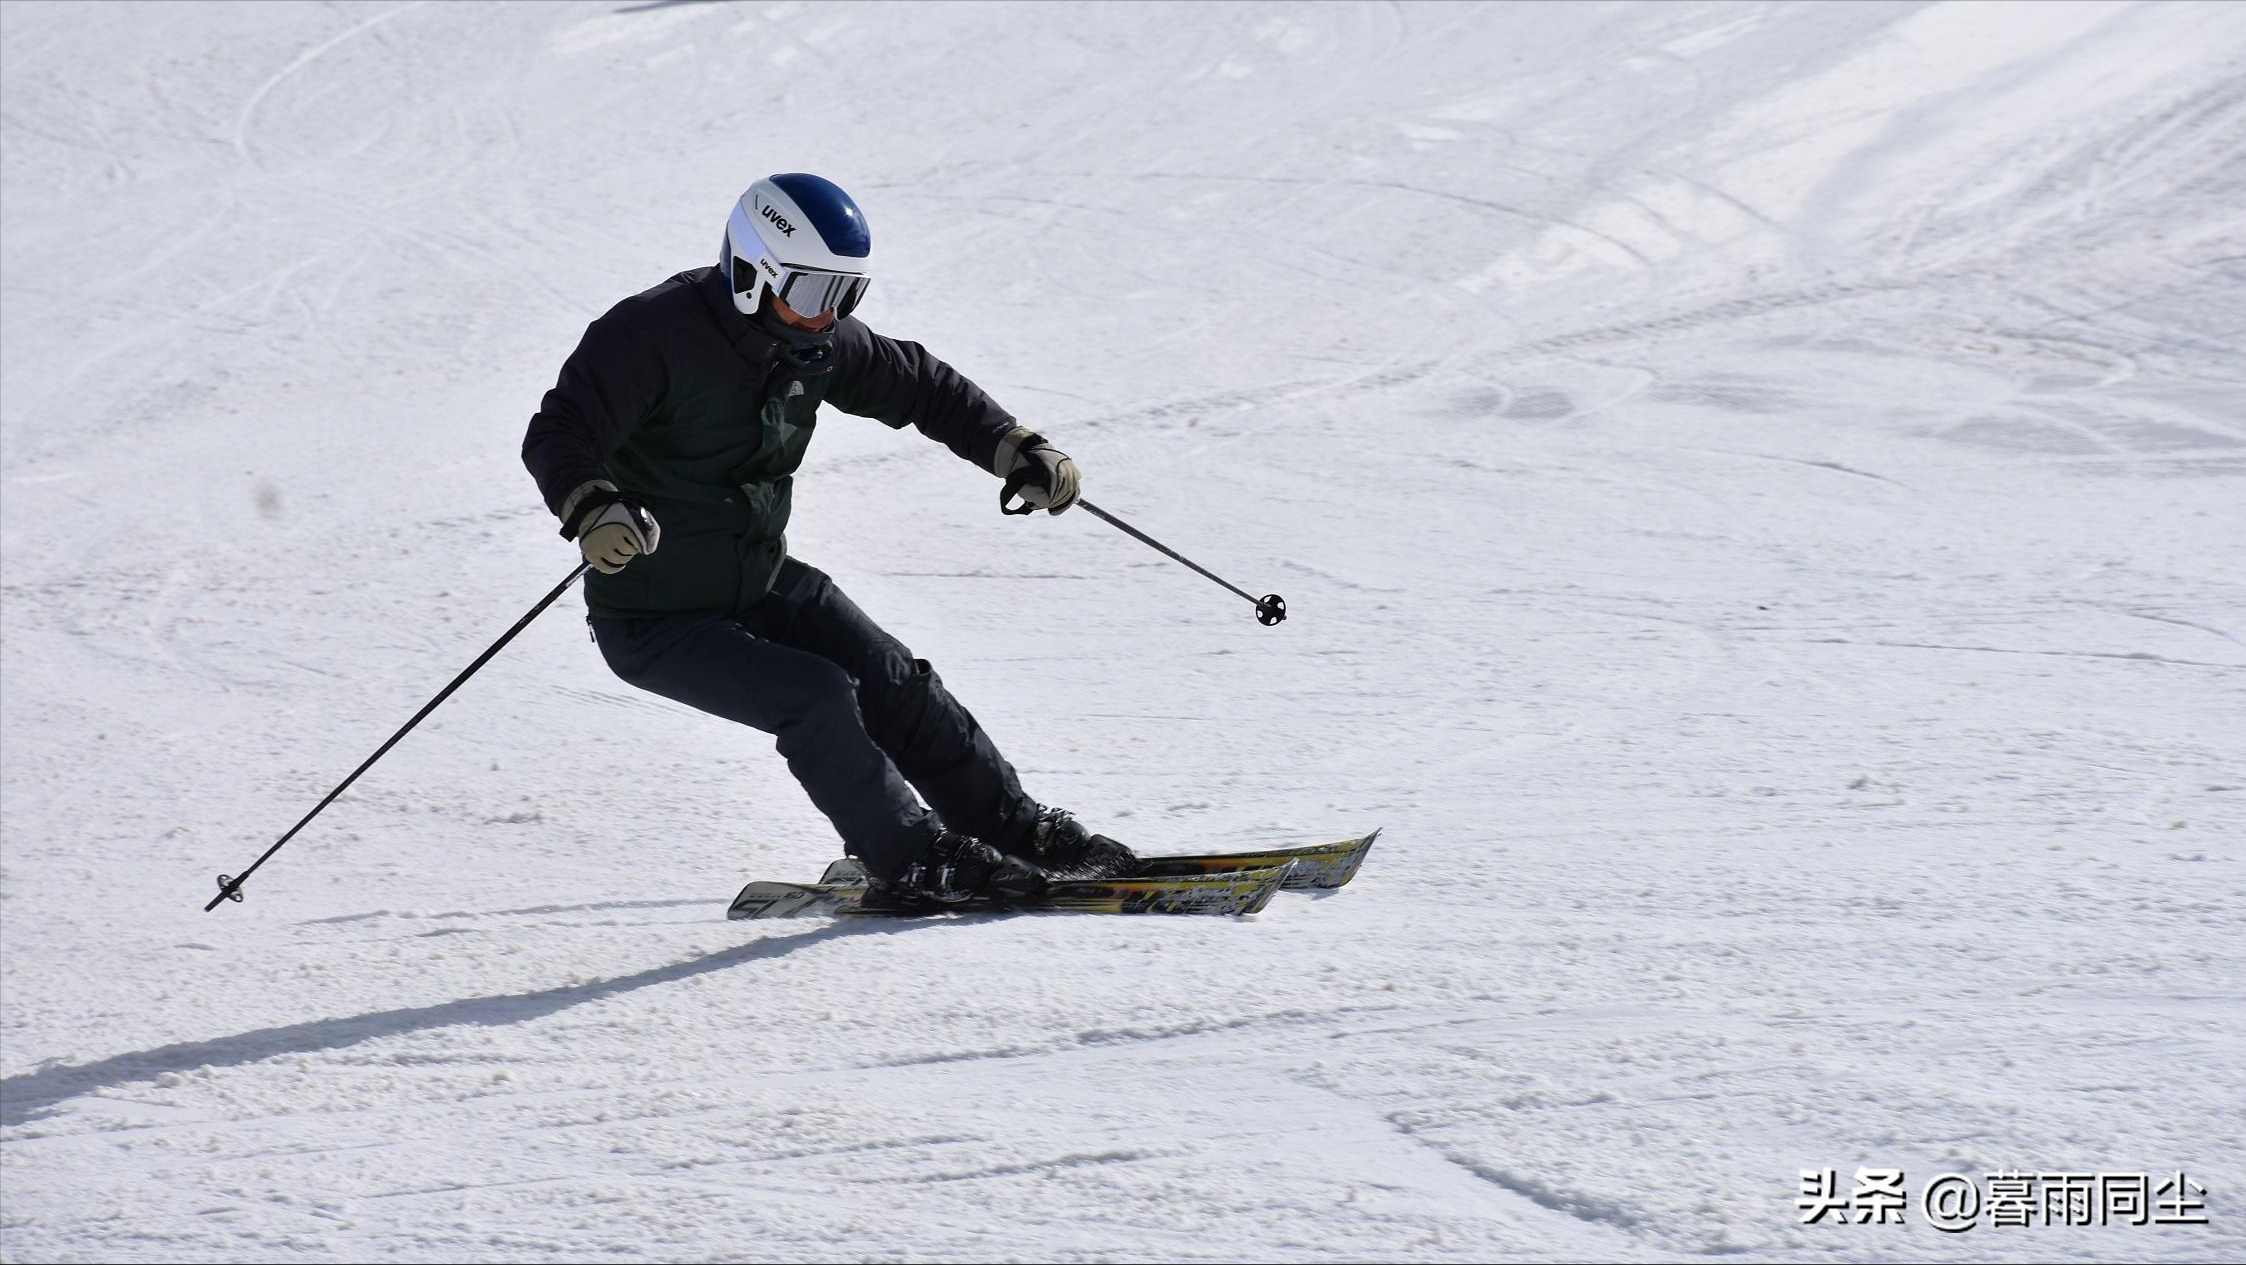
679	422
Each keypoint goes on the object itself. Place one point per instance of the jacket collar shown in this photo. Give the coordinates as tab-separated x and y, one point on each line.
755	346
773	358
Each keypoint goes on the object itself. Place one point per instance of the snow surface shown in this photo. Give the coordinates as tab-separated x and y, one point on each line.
1759	488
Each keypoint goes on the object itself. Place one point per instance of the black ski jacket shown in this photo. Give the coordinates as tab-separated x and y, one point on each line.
686	405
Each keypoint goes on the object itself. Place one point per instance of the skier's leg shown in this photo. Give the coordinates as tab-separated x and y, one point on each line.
932	739
808	703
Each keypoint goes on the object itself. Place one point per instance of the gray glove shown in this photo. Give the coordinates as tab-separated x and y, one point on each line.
611	528
1042	475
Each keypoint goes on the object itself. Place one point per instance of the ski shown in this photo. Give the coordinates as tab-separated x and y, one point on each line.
1316	865
1236	892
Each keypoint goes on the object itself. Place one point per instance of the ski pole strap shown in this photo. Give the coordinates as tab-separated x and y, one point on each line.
1015	482
1270	608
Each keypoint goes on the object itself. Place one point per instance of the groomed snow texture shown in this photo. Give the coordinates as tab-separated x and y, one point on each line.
1761	490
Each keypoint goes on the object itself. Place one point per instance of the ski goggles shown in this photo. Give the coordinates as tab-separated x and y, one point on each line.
806	291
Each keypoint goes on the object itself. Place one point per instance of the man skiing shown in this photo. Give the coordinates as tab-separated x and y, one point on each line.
679	422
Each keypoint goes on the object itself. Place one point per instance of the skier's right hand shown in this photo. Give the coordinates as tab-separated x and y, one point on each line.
617	535
611	528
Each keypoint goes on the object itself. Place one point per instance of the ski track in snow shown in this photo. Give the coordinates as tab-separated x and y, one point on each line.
1757	488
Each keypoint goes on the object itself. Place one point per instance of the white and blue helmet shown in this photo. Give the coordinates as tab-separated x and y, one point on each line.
798	237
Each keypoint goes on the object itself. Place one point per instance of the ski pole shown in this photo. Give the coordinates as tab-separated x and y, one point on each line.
1270	608
231	888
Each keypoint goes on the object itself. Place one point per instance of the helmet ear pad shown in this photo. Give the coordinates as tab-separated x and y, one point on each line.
751	292
741	277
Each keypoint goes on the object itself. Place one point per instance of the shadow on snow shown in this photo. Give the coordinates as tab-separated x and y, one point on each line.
24	1097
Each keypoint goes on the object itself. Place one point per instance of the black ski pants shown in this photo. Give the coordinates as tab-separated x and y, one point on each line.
861	722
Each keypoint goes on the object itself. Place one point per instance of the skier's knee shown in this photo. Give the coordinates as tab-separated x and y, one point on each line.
825	714
827	687
896	703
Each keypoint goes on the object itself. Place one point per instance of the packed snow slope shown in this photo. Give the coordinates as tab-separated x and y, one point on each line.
1761	490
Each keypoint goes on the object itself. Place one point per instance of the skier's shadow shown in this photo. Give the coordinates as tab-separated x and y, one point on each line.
25	1097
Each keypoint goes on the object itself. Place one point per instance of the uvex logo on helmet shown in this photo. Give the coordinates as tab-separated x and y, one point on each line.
779	221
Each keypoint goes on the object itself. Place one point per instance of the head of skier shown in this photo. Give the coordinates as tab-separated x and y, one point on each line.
796	255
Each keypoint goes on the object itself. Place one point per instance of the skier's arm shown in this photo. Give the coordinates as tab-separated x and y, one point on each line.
611	381
899	384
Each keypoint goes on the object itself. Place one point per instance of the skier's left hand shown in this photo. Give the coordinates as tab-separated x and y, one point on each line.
1042	475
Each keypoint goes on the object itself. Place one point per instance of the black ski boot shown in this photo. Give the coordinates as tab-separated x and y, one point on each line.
957	869
1060	845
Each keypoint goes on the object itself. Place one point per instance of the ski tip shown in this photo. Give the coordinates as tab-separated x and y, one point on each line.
1333	871
1273	880
1357	862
